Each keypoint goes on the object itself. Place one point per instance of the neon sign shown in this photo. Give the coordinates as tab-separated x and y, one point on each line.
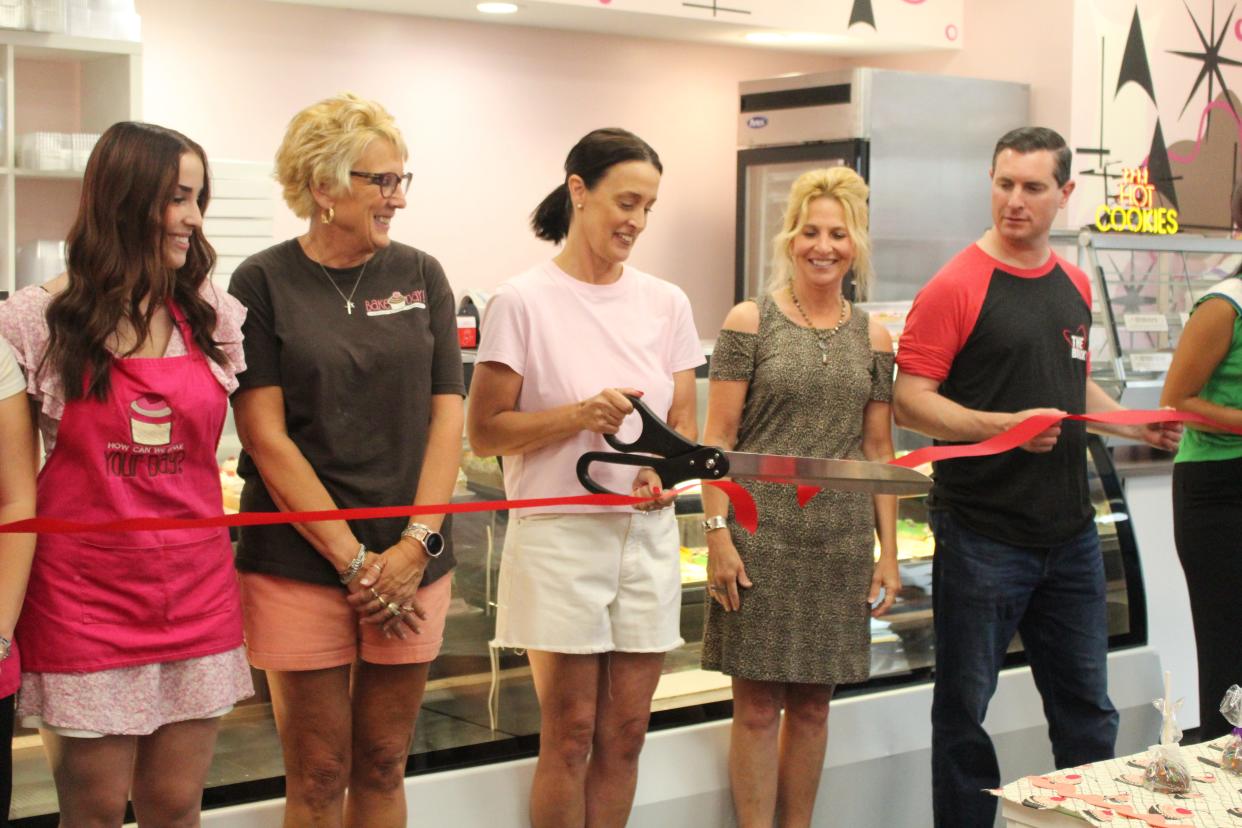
1135	210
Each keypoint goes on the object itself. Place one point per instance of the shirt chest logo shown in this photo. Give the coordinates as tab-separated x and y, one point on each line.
398	302
1077	340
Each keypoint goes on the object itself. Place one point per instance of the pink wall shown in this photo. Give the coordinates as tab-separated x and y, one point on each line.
489	112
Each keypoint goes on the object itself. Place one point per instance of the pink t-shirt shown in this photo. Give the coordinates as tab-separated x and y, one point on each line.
570	340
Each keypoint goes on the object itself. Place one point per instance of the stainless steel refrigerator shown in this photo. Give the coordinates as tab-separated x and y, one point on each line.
923	142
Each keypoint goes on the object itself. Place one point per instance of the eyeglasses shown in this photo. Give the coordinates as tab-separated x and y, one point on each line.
387	182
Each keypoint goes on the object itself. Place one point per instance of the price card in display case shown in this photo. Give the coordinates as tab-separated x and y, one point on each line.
1152	363
1146	323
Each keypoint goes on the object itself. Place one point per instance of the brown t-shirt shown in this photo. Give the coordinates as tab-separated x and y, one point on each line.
357	388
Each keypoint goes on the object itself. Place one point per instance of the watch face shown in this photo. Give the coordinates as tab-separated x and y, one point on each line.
434	542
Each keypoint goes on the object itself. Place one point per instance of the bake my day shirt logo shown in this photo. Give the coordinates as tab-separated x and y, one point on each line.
398	302
1078	342
151	451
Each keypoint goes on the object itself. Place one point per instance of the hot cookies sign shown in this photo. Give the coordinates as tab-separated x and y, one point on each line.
1135	210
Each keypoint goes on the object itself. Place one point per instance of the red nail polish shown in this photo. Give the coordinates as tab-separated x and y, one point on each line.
656	489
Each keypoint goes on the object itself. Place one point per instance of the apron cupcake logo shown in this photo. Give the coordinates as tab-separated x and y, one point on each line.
150	420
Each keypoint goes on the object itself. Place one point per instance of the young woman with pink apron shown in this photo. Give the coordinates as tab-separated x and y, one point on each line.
131	641
100	600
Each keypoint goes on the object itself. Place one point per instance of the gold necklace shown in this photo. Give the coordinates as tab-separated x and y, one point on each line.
822	335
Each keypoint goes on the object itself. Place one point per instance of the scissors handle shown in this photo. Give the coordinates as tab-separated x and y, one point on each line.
654	438
675	458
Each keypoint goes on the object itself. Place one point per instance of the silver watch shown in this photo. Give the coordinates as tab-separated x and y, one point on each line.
5	646
715	522
431	540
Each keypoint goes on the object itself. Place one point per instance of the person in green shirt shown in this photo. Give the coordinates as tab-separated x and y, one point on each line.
1206	378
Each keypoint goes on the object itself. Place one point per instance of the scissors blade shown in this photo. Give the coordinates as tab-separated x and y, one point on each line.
849	475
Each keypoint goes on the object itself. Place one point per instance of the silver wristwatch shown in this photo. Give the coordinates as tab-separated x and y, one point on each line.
431	540
5	646
715	522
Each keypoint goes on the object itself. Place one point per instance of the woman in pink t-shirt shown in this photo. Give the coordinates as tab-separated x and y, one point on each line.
17	502
592	593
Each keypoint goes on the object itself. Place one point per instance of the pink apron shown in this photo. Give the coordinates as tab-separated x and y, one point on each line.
100	600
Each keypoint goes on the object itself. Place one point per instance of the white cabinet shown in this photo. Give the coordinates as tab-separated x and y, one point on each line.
60	84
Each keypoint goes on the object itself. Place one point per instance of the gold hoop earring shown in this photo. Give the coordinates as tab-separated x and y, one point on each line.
327	216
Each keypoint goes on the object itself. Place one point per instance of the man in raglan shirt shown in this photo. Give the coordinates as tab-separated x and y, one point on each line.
1000	334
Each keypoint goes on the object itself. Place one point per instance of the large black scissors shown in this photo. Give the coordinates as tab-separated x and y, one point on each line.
676	460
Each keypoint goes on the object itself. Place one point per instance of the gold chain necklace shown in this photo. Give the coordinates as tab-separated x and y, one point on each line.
822	335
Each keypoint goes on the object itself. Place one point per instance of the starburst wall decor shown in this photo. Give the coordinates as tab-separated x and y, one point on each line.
1210	56
1192	154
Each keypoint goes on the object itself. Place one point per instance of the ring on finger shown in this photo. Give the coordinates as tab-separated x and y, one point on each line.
393	609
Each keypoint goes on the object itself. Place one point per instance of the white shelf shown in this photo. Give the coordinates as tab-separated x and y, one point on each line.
98	84
51	46
19	172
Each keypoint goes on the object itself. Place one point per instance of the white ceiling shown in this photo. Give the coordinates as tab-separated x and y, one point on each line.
606	20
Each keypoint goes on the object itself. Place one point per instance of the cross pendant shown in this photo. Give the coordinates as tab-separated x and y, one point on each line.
349	307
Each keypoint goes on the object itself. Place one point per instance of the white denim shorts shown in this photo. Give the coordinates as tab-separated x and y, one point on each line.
591	583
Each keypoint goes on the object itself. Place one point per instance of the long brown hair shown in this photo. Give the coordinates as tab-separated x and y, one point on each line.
115	253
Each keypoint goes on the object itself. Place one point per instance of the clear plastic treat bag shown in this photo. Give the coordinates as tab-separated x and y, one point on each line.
1167	772
1231	709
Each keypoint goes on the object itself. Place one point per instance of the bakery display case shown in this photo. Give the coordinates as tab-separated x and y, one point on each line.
1143	289
480	705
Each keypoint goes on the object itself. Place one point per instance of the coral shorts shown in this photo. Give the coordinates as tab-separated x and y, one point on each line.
293	625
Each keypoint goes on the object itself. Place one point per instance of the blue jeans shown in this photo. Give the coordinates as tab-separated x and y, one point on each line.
983	591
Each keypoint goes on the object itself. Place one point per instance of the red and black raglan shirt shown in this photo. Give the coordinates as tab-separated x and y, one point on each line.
998	338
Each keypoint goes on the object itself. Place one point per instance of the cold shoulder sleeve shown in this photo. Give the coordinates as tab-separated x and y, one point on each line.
733	358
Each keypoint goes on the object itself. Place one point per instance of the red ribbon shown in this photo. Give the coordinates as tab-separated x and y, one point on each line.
1032	426
744	509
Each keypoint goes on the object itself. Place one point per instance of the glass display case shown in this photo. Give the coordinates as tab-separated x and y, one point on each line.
1144	288
480	704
